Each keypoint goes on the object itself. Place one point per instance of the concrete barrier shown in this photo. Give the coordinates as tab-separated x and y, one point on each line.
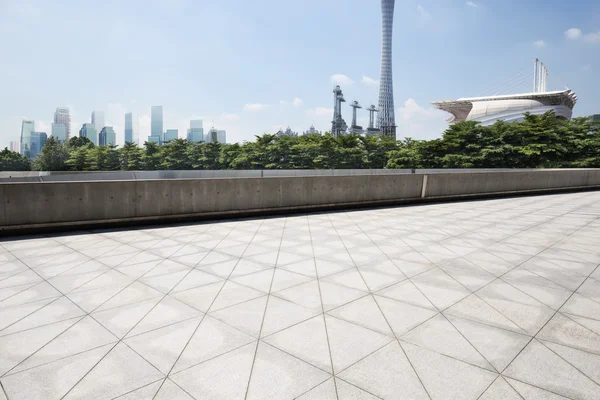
30	206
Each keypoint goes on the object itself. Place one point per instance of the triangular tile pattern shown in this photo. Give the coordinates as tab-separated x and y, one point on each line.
278	375
351	292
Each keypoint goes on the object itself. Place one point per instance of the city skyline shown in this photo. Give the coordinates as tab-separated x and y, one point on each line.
433	46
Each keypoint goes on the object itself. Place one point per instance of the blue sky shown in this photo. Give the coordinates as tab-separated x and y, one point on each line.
255	66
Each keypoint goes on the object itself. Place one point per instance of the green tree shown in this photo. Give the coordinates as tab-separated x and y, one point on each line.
13	161
52	157
130	157
151	158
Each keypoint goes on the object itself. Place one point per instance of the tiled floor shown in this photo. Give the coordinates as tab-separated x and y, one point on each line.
495	299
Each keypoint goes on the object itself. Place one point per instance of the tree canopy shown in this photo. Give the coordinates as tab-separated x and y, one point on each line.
539	141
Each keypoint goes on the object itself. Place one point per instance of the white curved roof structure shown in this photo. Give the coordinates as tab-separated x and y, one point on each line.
509	108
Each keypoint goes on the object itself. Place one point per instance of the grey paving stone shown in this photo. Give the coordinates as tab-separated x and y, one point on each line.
540	367
445	377
386	373
500	390
277	375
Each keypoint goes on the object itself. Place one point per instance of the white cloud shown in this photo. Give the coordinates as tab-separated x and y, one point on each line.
256	107
539	43
573	33
592	37
283	102
418	122
576	33
341	79
472	4
230	116
319	112
423	13
586	67
297	101
369	81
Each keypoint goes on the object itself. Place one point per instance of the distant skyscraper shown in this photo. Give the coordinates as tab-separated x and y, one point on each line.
89	131
59	132
196	132
216	136
98	120
595	117
14	146
62	116
107	136
288	132
171	134
156	121
386	121
129	137
38	140
27	128
154	139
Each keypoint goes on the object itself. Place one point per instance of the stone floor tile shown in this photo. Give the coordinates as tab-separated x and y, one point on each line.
19	346
233	293
307	341
498	346
539	366
162	347
442	290
195	278
406	292
587	363
325	391
222	377
439	335
211	339
468	274
145	392
170	391
37	292
201	298
120	320
571	331
304	267
53	380
529	392
81	335
386	373
246	266
500	390
445	377
57	310
350	278
277	375
333	295
349	343
403	317
307	295
261	280
364	312
281	314
133	293
475	309
119	372
582	306
247	316
168	311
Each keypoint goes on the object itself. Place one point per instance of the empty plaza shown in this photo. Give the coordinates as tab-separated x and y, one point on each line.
487	299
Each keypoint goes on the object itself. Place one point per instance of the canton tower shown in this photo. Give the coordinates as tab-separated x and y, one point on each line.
386	121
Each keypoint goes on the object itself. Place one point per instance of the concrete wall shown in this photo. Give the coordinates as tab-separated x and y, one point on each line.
31	205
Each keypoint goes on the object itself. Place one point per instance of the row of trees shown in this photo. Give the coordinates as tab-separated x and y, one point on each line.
537	142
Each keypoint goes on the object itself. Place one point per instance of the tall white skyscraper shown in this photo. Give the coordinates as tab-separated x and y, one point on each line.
156	122
27	129
14	146
131	128
98	120
89	131
62	116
